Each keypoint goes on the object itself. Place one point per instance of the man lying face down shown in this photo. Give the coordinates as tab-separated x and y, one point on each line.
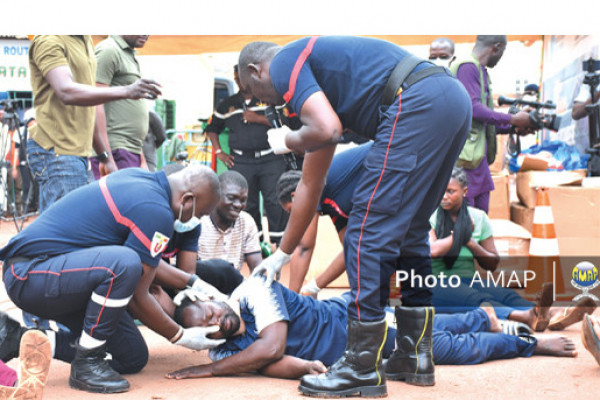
282	334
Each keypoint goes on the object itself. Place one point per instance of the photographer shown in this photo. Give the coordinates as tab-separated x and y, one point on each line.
473	74
583	99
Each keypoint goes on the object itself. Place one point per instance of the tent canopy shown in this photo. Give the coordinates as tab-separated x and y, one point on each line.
198	44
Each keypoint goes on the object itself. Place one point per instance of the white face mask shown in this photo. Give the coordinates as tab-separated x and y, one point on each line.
190	224
442	62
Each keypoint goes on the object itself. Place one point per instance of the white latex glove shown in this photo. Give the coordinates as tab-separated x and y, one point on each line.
191	294
272	266
276	138
310	289
208	290
195	338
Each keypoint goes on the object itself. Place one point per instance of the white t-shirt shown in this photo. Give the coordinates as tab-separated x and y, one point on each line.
233	244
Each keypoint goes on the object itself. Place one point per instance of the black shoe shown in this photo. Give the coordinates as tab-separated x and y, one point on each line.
358	372
11	332
90	372
412	360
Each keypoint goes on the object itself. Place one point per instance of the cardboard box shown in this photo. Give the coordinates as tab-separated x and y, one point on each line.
529	181
593	181
576	213
512	243
500	162
521	215
510	239
499	198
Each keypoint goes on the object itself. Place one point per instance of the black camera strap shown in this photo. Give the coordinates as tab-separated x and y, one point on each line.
402	75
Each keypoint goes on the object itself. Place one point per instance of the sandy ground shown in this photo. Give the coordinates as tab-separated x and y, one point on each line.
526	378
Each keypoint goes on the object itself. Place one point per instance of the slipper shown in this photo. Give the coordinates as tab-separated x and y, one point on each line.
589	338
13	393
543	301
34	358
515	328
572	315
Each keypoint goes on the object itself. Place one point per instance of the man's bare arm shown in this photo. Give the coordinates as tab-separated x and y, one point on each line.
290	367
145	307
253	260
302	256
268	348
76	94
171	277
186	261
314	170
321	126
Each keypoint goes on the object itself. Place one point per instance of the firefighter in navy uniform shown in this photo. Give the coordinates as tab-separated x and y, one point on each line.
418	116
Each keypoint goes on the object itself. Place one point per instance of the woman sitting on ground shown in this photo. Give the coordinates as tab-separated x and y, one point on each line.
460	235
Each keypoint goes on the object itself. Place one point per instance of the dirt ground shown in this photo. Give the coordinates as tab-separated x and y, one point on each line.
525	378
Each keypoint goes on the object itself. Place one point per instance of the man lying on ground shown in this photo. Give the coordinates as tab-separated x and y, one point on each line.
282	334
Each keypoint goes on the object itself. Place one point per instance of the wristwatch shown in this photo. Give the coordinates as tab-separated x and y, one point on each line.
218	151
103	156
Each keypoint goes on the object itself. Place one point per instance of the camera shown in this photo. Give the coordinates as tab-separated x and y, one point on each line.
10	106
592	78
591	67
542	116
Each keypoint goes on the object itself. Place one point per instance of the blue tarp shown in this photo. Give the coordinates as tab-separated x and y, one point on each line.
568	155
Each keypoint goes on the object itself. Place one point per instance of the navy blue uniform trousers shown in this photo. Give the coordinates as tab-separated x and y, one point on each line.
465	339
407	170
87	290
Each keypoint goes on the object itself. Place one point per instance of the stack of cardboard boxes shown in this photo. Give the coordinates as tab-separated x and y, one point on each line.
575	202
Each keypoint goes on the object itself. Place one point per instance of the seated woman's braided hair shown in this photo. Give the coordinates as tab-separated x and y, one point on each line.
286	185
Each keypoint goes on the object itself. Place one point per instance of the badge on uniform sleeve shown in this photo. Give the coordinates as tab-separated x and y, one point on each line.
159	244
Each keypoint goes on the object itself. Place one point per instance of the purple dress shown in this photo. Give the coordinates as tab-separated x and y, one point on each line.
480	179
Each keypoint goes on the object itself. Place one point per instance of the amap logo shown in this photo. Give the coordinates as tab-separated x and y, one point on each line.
585	278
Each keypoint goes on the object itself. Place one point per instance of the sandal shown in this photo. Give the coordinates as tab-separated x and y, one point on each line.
572	315
515	328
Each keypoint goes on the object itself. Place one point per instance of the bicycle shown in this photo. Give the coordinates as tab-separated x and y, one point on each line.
11	125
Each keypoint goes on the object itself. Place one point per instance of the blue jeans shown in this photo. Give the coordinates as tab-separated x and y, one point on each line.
55	175
465	298
464	339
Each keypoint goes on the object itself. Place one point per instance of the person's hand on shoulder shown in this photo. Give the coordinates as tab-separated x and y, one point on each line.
272	266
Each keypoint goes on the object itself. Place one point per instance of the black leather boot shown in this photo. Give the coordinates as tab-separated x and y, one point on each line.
11	332
358	372
91	372
412	360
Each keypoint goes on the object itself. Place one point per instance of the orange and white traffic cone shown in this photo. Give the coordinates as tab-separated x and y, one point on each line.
543	250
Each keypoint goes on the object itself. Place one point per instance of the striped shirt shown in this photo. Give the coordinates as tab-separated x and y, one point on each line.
232	244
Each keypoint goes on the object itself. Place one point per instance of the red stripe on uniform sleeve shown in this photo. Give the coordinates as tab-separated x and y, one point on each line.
297	67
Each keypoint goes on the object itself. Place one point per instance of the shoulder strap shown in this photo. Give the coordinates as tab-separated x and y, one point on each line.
399	74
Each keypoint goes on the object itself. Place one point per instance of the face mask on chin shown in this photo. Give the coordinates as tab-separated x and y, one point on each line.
182	227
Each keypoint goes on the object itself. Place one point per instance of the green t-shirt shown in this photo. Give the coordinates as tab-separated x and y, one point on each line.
126	120
464	266
67	129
